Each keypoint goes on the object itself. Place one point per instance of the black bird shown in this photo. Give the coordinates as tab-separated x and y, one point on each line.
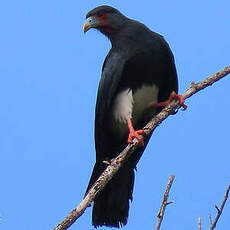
139	71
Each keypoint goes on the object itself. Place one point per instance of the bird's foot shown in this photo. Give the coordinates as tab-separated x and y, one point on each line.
135	133
181	101
172	96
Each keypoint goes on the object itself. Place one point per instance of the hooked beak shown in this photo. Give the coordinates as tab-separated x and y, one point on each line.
91	22
86	27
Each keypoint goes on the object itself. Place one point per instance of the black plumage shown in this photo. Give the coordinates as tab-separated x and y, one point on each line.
139	66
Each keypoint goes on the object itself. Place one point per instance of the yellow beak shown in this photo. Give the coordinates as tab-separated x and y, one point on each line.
86	27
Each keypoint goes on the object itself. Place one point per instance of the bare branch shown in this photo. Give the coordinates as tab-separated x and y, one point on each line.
116	163
164	202
199	223
219	210
210	219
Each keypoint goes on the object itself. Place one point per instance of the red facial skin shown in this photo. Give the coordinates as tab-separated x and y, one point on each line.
104	25
102	19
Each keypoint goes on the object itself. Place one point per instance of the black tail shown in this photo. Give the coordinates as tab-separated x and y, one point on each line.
111	206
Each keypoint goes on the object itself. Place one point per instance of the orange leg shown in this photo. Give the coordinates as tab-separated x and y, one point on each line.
172	96
134	133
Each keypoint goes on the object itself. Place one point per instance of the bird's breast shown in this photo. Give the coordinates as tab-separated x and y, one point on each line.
132	104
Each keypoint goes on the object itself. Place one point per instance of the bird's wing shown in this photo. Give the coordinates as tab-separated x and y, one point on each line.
129	71
111	73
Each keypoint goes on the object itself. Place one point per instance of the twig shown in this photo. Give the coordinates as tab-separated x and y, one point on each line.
123	156
199	223
164	202
219	210
210	219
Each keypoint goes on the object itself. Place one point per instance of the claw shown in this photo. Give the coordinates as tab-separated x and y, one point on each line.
135	133
181	101
172	96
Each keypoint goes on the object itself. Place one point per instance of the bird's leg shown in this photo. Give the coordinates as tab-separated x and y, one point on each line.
172	96
134	133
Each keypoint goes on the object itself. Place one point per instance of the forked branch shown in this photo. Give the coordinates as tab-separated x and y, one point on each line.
165	202
220	210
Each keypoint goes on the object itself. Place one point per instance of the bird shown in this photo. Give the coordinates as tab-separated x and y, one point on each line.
138	78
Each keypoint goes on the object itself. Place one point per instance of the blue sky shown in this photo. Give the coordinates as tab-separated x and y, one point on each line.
49	72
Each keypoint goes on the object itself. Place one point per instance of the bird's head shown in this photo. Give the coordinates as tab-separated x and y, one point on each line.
106	19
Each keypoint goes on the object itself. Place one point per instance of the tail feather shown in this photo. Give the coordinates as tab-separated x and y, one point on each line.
111	206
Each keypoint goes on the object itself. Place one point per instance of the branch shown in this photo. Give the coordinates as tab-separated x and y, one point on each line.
219	210
165	202
117	162
199	223
210	219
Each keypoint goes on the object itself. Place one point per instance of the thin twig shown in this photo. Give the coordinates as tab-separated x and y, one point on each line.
199	223
210	219
164	202
123	156
219	210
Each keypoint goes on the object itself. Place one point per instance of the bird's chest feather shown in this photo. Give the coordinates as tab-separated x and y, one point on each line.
132	104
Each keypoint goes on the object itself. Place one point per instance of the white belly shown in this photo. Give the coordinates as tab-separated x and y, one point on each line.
132	105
